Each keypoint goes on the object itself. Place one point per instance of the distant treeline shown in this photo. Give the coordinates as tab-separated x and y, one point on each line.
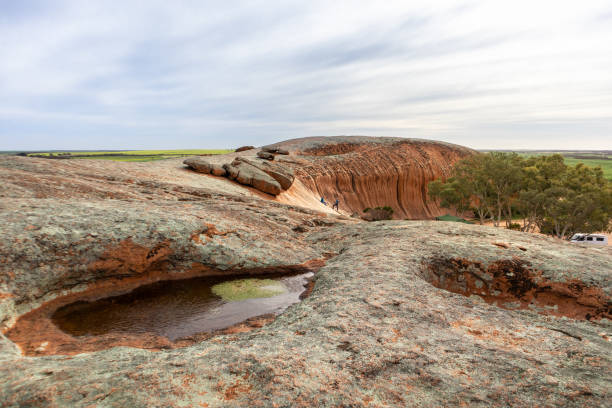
49	155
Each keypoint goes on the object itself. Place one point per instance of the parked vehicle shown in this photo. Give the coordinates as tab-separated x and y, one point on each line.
594	239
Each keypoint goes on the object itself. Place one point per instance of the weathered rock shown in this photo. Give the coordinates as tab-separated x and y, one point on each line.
265	155
244	148
398	315
284	175
249	175
266	184
285	179
368	172
198	164
363	172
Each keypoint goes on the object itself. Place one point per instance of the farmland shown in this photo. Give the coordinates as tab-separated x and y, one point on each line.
591	158
125	155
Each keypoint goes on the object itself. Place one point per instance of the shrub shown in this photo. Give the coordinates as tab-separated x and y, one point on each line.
515	226
378	213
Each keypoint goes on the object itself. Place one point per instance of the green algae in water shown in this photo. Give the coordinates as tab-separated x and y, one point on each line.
242	289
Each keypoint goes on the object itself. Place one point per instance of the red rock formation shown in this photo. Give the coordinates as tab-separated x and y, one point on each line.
368	172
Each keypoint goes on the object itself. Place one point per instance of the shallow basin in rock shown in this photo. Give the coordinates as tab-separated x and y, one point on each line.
178	309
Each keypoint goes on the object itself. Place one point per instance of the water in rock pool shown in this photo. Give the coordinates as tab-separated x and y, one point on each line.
181	308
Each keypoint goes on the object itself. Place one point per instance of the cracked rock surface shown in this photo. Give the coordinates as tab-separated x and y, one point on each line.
375	331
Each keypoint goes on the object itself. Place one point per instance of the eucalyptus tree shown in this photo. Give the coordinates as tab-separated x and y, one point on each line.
552	197
580	200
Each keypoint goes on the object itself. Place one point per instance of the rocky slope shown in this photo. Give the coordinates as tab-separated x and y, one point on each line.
402	313
361	172
368	172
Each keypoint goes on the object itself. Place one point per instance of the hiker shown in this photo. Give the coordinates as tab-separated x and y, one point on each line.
323	201
336	204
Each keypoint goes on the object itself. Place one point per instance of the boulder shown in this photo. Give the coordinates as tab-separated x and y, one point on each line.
265	155
249	175
244	148
198	164
266	184
283	175
285	180
204	166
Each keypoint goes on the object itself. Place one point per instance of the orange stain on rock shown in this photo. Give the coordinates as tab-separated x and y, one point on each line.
124	268
128	258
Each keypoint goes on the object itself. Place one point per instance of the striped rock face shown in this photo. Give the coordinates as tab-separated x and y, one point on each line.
369	172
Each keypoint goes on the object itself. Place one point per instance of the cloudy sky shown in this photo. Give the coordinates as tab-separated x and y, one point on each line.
212	74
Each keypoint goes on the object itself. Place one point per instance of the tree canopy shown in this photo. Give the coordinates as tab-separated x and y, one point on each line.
546	193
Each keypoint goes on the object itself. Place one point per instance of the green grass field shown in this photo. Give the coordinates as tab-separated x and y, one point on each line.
129	155
601	159
606	165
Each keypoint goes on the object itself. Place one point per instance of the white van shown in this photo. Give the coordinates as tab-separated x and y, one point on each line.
595	239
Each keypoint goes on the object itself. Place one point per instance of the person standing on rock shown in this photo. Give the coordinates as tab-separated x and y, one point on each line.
336	204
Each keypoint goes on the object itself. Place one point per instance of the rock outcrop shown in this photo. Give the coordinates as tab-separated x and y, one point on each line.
402	313
361	172
249	175
265	177
284	175
369	172
204	166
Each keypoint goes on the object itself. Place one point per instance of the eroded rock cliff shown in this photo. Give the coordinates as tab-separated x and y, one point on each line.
368	172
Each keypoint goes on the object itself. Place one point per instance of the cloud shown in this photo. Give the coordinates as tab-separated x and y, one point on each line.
157	74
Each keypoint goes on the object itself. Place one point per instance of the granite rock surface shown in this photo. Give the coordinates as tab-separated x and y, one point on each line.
379	329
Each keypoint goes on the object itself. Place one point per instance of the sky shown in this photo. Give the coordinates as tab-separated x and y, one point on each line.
106	74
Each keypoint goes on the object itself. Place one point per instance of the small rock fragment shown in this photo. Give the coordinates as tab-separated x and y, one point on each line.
265	155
